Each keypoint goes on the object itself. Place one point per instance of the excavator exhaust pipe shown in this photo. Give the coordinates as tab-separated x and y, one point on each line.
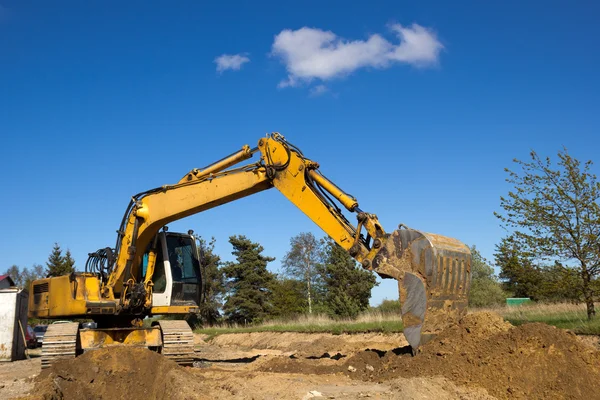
433	274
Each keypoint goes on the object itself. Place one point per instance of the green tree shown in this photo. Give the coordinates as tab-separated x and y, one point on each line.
560	283
213	286
521	277
348	286
23	277
69	262
390	307
30	275
555	216
288	298
57	264
301	263
248	282
15	274
485	288
518	274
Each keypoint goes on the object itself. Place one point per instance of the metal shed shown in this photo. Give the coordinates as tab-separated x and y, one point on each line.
13	308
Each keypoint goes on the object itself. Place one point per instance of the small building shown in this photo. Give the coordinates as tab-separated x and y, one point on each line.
13	322
6	282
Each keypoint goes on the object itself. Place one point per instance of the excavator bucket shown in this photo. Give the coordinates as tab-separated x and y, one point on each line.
433	274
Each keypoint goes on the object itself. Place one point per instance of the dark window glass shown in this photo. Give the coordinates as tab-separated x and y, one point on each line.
183	262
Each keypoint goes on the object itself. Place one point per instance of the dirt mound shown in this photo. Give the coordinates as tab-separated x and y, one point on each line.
310	344
532	361
116	373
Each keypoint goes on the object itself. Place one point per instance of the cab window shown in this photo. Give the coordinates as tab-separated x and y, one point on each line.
184	264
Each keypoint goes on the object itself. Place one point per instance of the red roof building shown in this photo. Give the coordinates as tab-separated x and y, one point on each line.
6	282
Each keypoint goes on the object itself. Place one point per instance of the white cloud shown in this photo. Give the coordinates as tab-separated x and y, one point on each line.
231	61
318	90
310	53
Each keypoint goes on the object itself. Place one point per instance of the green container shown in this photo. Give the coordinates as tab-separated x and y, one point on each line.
517	301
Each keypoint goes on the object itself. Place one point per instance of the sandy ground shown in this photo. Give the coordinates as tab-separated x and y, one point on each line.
16	378
230	366
304	366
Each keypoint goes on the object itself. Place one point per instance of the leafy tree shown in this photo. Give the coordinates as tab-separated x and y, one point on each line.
555	215
301	262
523	278
30	275
15	274
213	285
348	287
485	289
24	277
519	275
390	307
248	282
560	283
57	264
289	298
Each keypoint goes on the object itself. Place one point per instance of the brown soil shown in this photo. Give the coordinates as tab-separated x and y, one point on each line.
533	361
481	358
114	373
310	344
591	340
129	373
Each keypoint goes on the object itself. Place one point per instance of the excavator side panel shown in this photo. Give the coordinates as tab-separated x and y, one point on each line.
68	296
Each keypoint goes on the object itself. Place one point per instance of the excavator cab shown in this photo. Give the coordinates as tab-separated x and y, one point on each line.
177	278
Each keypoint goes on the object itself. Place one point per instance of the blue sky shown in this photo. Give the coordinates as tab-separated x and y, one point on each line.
101	100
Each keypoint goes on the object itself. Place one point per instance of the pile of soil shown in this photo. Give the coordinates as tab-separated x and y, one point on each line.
116	373
310	344
532	361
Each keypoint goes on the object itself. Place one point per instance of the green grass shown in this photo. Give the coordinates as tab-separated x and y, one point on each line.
565	316
315	324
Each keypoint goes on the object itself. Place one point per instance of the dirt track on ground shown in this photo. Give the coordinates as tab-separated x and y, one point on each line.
481	358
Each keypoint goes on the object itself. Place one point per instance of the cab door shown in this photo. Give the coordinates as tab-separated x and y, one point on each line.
184	269
162	278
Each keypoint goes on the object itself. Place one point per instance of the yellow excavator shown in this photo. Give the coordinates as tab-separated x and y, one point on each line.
152	271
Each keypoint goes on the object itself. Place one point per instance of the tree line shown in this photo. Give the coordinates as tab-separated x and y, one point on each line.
318	276
57	264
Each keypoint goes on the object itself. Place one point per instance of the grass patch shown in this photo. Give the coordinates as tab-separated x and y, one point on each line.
565	316
368	322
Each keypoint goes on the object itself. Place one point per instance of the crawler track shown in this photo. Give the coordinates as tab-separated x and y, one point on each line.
60	341
178	341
